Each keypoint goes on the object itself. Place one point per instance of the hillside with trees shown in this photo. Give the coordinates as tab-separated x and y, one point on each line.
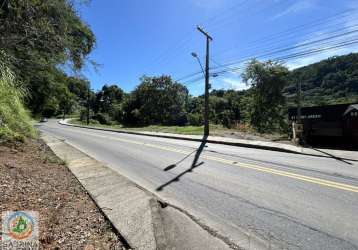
331	81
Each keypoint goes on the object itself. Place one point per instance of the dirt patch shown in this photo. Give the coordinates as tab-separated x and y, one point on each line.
33	178
254	136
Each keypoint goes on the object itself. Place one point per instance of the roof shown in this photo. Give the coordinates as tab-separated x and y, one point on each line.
326	112
350	108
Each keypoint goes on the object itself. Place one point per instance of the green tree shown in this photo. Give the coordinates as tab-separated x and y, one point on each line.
157	100
42	36
67	103
267	81
109	99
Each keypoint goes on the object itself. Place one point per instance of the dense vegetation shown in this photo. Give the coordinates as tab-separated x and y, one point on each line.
330	81
162	101
14	119
263	107
268	102
41	38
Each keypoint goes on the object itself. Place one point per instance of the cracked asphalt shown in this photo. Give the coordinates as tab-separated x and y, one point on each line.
288	201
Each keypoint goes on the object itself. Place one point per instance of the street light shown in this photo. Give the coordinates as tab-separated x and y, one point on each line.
194	54
197	58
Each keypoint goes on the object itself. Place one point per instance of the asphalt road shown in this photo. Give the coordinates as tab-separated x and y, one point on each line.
293	201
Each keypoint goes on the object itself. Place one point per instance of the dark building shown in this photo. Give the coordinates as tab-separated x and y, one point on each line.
332	123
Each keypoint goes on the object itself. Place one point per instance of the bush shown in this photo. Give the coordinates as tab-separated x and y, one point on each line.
102	118
83	115
15	123
195	119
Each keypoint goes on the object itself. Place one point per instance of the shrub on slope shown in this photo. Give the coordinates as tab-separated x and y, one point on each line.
15	123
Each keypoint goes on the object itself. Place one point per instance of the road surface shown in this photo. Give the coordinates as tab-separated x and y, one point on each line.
293	201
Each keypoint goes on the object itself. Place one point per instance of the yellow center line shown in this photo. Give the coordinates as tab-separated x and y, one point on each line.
314	180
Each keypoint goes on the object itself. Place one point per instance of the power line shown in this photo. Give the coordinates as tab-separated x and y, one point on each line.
278	51
301	54
318	21
271	44
253	10
294	47
220	14
294	29
297	55
168	53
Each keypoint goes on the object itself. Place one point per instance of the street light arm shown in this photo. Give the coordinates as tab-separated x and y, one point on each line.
201	66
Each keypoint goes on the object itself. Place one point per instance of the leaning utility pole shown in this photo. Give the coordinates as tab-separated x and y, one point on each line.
206	101
298	126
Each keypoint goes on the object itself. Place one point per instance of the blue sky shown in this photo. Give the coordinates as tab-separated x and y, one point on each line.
154	37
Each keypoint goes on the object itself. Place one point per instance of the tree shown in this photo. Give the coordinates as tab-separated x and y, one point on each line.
67	102
225	107
157	100
267	80
40	36
108	99
79	87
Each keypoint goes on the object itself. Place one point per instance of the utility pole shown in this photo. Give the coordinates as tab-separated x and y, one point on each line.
88	105
298	126
206	101
299	96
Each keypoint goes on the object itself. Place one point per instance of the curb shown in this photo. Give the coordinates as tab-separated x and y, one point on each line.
132	211
185	138
237	144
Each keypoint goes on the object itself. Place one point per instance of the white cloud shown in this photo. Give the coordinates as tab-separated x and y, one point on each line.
232	83
295	8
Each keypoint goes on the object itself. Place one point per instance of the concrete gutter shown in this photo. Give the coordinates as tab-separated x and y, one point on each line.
273	146
145	222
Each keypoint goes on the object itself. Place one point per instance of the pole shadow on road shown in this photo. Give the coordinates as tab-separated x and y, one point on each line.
194	164
332	156
326	153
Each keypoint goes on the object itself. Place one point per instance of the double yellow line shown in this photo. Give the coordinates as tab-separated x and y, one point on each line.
305	178
273	171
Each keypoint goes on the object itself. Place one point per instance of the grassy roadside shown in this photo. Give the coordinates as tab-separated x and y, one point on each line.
185	130
215	130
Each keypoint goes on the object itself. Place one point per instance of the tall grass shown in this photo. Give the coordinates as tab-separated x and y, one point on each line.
15	122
